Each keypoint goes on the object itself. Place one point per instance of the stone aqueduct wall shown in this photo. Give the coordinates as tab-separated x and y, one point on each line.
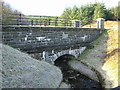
33	39
49	43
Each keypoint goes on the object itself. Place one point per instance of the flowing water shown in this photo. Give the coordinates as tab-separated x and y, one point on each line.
74	78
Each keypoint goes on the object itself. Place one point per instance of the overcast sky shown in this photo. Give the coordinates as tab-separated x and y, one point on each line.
52	7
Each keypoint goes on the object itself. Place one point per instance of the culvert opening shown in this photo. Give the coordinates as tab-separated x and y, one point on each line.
73	77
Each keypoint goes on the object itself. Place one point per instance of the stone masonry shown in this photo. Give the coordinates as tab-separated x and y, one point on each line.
50	40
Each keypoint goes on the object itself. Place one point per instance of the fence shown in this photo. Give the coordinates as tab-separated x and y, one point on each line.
31	20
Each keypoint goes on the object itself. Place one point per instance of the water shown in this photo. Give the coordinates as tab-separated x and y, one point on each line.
74	78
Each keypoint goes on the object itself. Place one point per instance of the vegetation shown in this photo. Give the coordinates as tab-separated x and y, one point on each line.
115	11
99	11
88	13
93	43
8	13
105	55
111	66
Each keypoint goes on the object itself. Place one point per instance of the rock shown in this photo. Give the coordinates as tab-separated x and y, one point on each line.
116	88
77	65
64	85
111	67
19	70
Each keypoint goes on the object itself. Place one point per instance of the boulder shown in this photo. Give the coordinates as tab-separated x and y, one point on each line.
19	70
78	66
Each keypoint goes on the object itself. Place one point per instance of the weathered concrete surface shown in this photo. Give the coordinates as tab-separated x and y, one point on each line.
76	65
19	70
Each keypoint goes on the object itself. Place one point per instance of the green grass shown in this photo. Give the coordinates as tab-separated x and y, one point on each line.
83	55
97	41
45	20
94	43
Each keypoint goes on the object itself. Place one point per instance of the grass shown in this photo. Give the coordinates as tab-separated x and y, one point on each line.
46	20
97	41
103	58
83	54
111	66
94	43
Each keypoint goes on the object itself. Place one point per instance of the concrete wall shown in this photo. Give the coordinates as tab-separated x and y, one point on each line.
39	39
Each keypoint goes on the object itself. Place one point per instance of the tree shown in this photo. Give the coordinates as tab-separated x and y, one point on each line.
74	13
86	13
115	12
109	15
99	11
9	16
66	15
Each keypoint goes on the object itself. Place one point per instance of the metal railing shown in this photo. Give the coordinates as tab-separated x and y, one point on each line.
32	20
19	19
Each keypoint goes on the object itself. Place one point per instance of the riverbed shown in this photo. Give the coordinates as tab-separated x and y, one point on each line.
74	78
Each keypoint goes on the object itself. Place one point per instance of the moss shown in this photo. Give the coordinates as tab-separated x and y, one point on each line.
101	37
94	43
83	54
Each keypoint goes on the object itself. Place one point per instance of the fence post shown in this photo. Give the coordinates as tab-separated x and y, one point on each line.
56	21
17	21
100	22
36	21
40	21
49	21
32	22
45	22
20	19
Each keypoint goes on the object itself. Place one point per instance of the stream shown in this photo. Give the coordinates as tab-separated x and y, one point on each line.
74	78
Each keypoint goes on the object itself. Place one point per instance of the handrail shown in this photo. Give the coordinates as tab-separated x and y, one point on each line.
20	19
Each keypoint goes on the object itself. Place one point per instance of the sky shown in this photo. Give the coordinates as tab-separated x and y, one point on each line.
52	7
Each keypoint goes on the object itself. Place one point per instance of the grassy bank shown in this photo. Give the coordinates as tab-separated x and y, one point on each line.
104	56
94	43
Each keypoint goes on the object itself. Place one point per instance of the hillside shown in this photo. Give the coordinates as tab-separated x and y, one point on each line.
104	56
107	24
111	66
19	68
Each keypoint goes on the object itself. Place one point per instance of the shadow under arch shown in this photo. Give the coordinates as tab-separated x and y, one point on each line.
73	77
62	61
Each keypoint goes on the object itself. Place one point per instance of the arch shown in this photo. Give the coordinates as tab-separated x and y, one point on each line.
74	52
66	56
63	59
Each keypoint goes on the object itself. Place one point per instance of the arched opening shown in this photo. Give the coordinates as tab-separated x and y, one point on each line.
63	60
73	77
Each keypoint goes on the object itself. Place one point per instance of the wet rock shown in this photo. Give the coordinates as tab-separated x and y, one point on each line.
111	67
76	65
73	77
64	85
